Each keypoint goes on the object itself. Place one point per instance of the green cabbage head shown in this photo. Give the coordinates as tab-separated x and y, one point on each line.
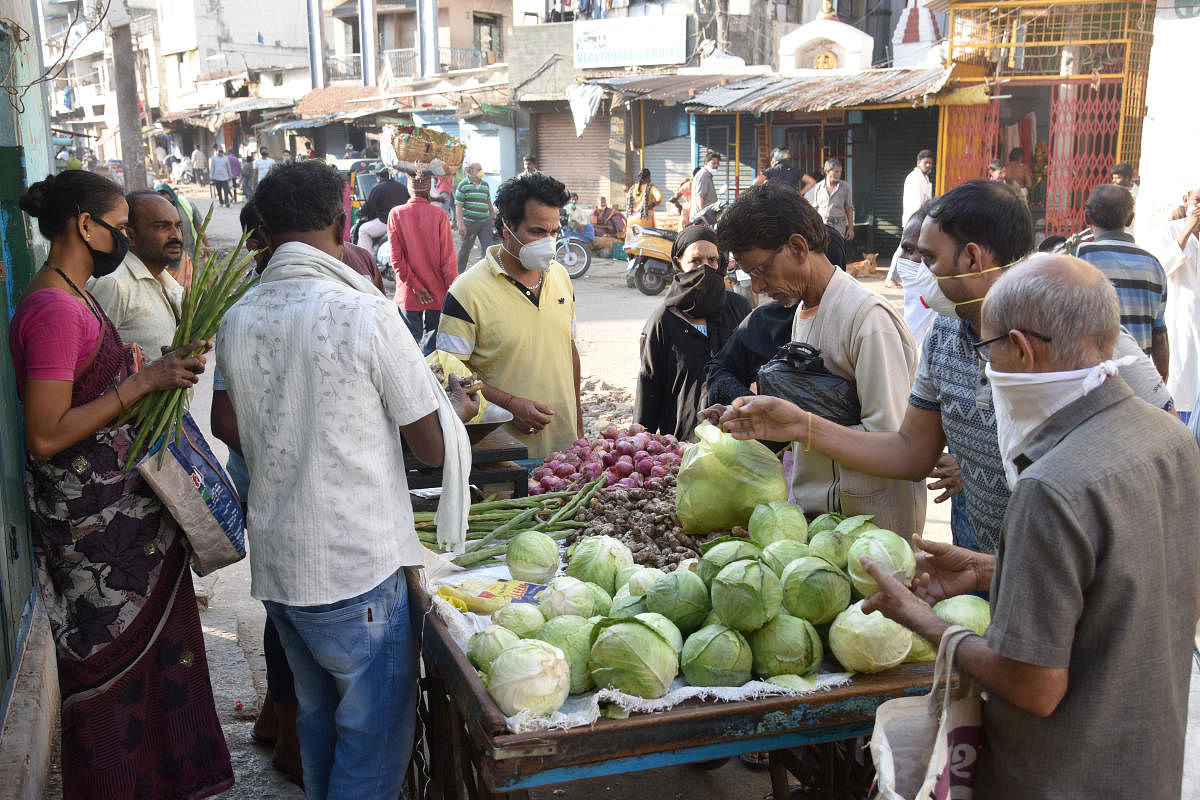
578	599
572	635
776	521
796	683
523	619
681	597
966	610
483	647
716	655
664	626
886	549
814	589
830	545
532	557
531	676
786	645
777	555
641	581
868	642
633	657
598	559
746	595
718	554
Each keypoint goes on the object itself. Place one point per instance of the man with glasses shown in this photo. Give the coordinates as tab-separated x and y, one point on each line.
970	236
779	239
1089	540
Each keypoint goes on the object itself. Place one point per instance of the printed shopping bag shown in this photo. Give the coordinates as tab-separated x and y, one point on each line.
200	496
928	747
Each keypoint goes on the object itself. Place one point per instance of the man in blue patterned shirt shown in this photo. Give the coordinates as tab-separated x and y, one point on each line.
971	235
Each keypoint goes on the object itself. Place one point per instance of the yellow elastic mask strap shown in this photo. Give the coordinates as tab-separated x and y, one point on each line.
981	272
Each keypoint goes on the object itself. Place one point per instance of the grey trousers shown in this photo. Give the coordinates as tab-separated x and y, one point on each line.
480	229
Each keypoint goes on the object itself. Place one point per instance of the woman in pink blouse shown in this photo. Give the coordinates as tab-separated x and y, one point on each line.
137	710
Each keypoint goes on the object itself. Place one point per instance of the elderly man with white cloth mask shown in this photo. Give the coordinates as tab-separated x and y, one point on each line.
1093	589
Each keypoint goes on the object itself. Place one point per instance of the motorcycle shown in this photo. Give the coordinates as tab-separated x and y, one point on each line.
649	251
571	253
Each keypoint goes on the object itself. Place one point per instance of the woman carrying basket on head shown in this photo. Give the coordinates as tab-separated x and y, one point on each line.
113	567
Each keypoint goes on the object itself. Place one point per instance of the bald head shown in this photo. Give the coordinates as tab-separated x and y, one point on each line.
155	231
1060	297
1109	208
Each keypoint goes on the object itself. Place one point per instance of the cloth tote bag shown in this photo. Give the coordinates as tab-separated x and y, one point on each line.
200	496
928	747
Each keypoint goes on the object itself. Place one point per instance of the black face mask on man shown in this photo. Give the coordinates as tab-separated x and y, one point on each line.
105	263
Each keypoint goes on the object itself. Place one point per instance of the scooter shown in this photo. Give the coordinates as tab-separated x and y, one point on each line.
649	251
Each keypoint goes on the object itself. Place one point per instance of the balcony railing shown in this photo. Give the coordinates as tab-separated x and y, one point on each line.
344	68
467	57
403	63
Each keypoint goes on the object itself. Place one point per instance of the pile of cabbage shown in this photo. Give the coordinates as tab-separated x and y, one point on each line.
768	607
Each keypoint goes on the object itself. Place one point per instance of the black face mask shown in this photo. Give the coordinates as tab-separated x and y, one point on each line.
699	293
105	263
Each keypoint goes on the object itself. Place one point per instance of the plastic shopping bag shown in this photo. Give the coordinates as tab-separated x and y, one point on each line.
928	747
798	373
722	480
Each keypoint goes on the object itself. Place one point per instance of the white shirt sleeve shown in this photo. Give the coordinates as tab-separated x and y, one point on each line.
396	370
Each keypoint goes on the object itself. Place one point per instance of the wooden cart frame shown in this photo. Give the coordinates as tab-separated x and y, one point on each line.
468	746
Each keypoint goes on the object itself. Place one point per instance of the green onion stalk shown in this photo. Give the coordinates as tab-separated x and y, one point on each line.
216	286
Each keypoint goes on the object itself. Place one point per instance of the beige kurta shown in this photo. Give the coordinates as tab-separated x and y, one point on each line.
863	339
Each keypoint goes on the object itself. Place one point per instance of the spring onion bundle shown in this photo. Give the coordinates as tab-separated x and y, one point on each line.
216	286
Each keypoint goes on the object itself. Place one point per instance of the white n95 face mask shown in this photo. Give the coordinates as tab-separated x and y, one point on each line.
535	255
930	288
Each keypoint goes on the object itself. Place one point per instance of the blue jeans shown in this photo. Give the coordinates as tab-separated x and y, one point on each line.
423	325
355	663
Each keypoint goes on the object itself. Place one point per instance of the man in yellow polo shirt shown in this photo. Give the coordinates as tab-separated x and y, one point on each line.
511	318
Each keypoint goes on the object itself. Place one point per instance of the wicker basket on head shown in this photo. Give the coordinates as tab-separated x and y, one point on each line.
414	144
453	155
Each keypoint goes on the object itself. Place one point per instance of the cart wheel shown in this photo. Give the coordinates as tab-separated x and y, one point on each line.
715	763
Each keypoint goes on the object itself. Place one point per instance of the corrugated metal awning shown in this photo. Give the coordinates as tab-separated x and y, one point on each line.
813	90
249	104
821	91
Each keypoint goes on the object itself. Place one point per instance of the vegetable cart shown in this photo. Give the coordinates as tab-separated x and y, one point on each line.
468	744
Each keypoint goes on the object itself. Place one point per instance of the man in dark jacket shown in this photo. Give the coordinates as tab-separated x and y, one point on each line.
693	323
384	196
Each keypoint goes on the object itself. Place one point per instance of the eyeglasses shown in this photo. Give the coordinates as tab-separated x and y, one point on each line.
761	270
982	347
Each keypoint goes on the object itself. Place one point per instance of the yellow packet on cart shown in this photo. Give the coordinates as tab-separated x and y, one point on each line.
451	365
487	595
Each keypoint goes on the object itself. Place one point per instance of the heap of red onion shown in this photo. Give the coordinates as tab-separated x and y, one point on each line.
626	458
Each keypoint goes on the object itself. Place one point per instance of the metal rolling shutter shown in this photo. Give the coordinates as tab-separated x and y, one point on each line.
898	142
670	163
580	163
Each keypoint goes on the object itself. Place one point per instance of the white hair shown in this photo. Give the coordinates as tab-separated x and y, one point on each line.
1042	294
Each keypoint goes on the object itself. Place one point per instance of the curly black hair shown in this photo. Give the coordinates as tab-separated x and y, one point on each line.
300	197
766	216
59	198
989	214
515	192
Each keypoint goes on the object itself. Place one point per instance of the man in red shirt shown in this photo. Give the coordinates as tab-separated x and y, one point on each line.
424	260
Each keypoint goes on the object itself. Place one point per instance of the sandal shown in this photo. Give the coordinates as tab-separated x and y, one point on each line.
754	760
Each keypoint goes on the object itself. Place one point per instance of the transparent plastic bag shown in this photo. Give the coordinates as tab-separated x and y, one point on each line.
722	480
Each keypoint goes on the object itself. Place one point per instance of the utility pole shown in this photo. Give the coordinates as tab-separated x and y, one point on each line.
368	40
427	30
125	73
316	44
722	19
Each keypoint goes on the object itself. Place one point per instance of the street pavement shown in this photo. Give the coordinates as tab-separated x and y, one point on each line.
610	319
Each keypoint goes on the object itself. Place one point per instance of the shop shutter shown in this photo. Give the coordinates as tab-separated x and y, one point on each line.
580	163
670	163
900	136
